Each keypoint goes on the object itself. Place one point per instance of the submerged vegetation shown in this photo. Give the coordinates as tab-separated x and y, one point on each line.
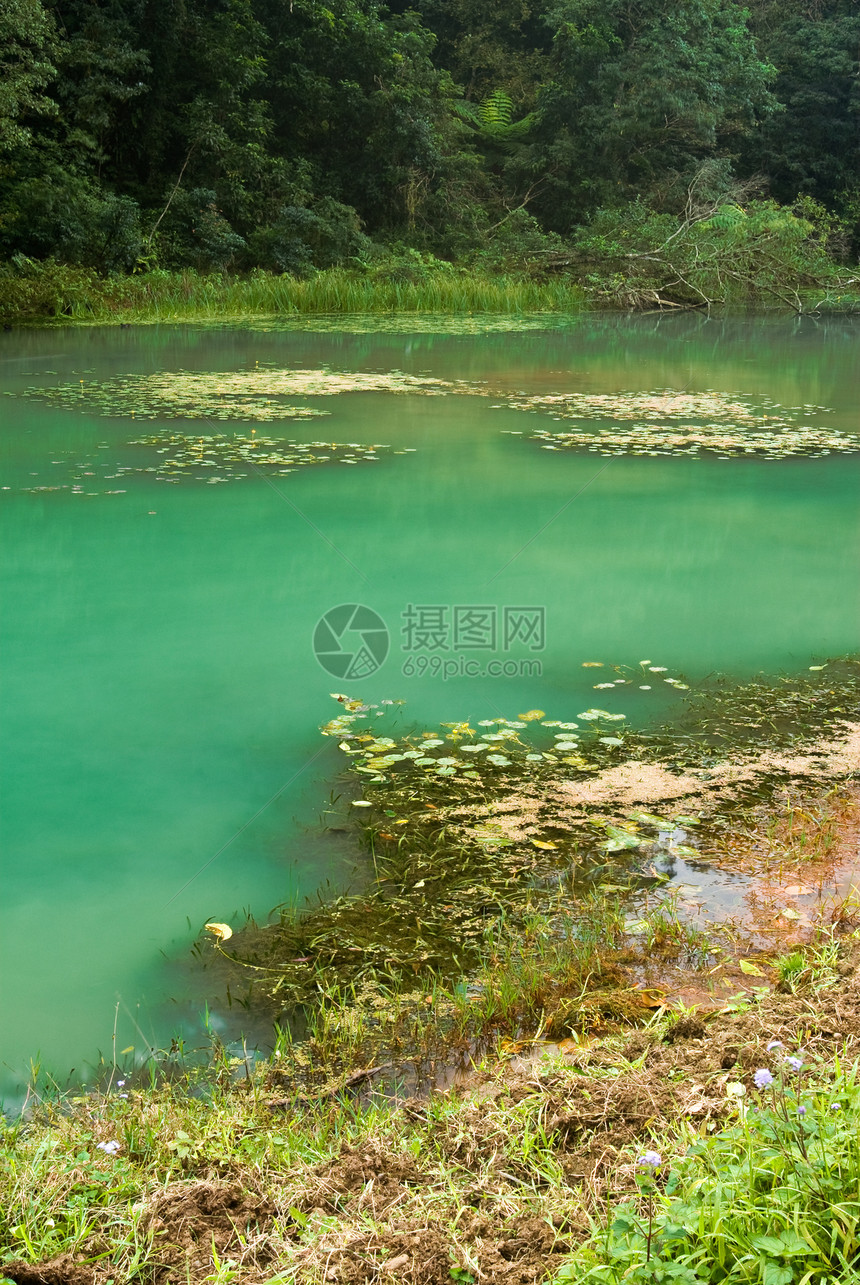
472	823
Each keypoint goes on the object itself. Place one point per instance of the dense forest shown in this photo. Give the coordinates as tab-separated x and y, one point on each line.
526	135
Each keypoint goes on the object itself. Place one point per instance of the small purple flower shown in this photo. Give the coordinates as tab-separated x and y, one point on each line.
763	1078
775	1044
109	1148
650	1159
796	1063
801	1110
835	1106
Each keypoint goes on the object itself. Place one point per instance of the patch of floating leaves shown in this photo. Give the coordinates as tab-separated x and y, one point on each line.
259	394
666	404
212	458
463	755
185	453
666	422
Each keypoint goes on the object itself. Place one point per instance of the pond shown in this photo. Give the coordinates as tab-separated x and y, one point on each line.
169	559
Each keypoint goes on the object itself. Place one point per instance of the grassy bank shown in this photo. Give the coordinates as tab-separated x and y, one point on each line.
38	292
34	292
528	1168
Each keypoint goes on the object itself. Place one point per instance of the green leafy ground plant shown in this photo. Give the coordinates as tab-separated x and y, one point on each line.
771	1199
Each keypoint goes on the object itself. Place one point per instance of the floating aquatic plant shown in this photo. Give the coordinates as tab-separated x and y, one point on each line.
212	458
641	440
484	759
667	404
184	453
261	393
667	422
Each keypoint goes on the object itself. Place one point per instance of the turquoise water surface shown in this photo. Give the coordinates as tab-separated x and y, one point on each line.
162	763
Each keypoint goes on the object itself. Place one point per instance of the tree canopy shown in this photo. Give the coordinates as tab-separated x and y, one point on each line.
294	134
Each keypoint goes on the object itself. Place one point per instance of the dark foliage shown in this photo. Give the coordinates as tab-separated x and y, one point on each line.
296	135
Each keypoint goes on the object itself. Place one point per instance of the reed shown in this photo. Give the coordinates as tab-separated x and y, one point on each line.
53	292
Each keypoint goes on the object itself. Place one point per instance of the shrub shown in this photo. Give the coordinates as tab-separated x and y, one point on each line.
321	235
31	291
518	244
72	220
726	252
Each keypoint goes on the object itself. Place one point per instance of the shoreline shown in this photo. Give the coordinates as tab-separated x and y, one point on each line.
48	294
482	1122
506	1171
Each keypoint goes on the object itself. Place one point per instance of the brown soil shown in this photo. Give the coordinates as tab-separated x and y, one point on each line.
372	1174
188	1220
64	1270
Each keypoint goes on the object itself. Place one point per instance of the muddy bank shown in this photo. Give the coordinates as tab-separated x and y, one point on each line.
495	1179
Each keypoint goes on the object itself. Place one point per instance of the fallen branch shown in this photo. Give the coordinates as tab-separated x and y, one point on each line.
348	1082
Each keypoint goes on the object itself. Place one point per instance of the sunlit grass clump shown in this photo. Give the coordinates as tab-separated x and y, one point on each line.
75	294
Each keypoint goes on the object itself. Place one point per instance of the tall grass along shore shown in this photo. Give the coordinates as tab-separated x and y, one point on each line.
53	292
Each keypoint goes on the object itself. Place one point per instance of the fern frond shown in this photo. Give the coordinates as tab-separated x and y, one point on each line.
495	111
467	111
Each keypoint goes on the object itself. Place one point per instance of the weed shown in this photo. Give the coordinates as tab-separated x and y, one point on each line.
666	932
814	966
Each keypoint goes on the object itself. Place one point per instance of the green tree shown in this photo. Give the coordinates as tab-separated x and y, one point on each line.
812	146
355	95
26	67
504	46
102	70
204	123
59	196
642	91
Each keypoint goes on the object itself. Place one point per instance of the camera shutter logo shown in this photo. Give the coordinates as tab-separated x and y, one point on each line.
351	641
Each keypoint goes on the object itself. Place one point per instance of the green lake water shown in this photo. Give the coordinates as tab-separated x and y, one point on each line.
161	760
